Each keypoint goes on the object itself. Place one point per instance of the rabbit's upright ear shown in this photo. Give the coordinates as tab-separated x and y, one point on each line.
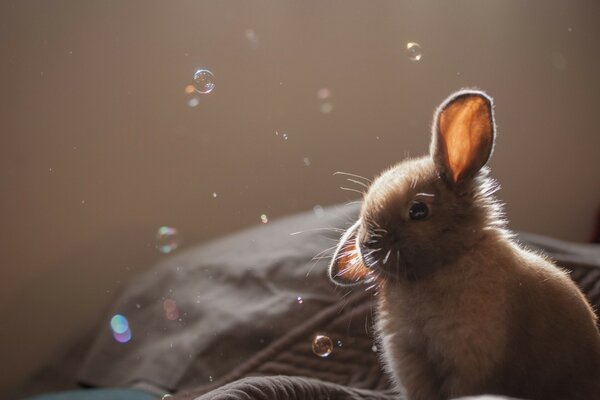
463	134
347	267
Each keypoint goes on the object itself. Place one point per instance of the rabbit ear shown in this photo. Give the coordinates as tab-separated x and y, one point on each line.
463	134
347	267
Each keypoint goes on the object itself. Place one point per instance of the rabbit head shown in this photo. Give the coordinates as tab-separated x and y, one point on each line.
422	213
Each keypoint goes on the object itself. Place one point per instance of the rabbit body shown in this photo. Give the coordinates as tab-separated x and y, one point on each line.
463	308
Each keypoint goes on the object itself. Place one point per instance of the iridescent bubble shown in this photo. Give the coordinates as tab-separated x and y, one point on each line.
414	51
122	337
322	345
167	239
204	81
264	219
119	324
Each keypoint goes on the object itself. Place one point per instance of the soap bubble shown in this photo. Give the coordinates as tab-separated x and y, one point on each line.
264	219
193	102
119	323
322	345
323	93
167	239
204	81
122	337
414	51
120	328
214	195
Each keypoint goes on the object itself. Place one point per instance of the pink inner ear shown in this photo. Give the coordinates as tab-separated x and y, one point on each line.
466	126
348	264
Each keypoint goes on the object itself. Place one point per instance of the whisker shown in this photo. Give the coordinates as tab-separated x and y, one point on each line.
354	175
358	183
337	230
385	260
352	190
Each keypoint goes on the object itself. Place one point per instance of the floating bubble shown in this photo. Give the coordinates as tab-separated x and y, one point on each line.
189	89
252	38
414	51
306	161
193	102
214	195
300	301
264	219
326	108
204	81
322	345
138	306
339	343
210	378
119	324
167	239
323	93
122	337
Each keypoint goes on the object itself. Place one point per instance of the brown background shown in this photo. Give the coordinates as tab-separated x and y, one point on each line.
99	148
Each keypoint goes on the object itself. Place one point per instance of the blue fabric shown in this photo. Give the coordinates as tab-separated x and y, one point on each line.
98	394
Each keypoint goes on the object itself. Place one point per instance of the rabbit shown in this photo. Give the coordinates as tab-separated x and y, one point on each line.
463	309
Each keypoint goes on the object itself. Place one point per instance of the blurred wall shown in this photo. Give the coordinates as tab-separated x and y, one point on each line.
99	146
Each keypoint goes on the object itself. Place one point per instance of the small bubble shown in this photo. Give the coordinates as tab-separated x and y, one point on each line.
189	89
300	301
306	161
210	378
167	239
252	38
119	323
193	102
264	219
204	81
414	51
122	337
322	345
323	93
374	349
318	210
326	108
339	343
169	305
138	306
50	170
285	136
82	201
214	195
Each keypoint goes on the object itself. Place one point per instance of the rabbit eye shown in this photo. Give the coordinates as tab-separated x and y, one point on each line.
418	210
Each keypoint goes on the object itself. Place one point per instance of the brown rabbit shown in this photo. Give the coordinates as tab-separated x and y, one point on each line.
464	309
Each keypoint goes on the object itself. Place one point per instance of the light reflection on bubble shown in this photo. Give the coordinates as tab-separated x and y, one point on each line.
193	102
322	345
214	195
264	219
300	301
414	51
339	343
122	337
167	397
189	89
167	239
119	324
204	81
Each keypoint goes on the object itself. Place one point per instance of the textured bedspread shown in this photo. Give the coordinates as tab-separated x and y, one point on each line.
247	310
